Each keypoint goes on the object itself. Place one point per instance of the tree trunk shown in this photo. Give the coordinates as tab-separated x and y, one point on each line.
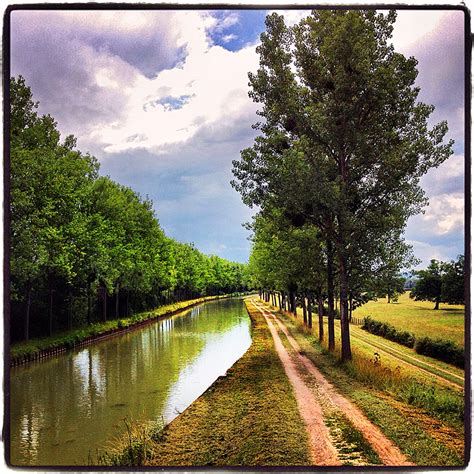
117	294
305	315
27	311
104	303
310	312
350	307
88	302
320	317
69	309
128	303
279	300
330	282
292	302
50	306
388	297
436	304
346	353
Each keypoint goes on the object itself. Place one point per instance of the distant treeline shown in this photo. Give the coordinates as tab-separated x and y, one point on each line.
84	248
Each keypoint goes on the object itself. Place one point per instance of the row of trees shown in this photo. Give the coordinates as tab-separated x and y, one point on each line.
335	170
83	246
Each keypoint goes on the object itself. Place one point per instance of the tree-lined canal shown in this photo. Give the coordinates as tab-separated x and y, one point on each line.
65	408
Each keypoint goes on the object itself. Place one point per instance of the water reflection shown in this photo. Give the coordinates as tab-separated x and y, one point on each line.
64	408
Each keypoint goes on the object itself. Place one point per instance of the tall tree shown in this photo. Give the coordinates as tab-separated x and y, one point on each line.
454	281
344	141
428	286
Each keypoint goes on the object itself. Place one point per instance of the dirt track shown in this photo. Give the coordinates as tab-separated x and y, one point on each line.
311	405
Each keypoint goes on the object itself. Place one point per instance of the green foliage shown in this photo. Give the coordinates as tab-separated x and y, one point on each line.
388	332
441	349
442	403
76	235
440	282
344	141
429	284
453	282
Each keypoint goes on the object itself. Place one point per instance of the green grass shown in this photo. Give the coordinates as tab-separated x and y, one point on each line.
247	418
380	370
353	445
392	402
418	317
69	339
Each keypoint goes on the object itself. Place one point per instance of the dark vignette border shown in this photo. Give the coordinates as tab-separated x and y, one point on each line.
222	6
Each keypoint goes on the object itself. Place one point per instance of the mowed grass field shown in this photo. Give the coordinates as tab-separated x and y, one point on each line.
418	317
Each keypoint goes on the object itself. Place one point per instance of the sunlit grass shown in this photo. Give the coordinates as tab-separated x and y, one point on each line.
418	317
381	371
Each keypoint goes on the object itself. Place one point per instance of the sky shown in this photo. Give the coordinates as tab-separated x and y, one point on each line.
161	99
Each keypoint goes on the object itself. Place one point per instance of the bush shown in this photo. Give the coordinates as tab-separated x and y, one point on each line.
441	349
388	332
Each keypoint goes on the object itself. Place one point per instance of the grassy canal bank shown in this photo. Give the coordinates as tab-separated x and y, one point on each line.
43	347
249	417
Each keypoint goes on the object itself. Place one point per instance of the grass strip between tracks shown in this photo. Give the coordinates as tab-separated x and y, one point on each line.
247	418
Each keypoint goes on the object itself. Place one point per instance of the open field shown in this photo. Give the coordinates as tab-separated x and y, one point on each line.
397	357
418	317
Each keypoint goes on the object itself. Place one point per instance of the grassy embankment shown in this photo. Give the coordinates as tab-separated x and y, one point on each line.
247	418
68	339
420	414
418	317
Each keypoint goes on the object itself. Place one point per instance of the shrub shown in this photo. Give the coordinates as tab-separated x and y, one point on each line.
388	332
441	349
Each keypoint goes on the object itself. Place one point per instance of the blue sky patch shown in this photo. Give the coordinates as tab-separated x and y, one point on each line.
169	102
238	34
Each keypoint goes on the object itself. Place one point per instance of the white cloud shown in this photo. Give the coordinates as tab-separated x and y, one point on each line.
227	38
446	213
426	251
213	78
412	25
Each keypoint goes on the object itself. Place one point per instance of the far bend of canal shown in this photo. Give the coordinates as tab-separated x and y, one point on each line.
65	408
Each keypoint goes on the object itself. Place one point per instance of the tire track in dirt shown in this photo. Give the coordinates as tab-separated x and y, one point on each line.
323	452
393	352
387	451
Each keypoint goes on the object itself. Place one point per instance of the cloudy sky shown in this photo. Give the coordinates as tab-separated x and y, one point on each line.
161	99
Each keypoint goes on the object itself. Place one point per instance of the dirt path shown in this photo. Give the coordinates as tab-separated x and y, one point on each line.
323	452
387	451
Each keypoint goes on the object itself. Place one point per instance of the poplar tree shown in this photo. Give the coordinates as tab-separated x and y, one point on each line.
344	140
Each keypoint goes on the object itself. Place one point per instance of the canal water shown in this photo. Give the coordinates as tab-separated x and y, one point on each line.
66	408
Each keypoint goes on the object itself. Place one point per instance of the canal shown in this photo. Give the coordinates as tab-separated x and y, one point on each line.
64	410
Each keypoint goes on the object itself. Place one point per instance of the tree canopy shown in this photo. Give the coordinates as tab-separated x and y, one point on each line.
343	139
84	246
441	282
